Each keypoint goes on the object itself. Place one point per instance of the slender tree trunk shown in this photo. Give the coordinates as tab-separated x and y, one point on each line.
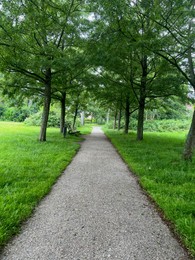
140	125
191	57
190	141
46	107
63	112
91	118
142	98
108	116
146	115
115	118
82	118
119	118
75	115
127	115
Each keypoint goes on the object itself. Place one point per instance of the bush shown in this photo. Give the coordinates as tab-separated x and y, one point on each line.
14	114
2	110
109	125
54	119
35	119
166	125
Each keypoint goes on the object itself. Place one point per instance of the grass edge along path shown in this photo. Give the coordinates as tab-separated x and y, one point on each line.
28	169
168	180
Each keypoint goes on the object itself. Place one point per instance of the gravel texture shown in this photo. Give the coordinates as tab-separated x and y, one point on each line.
96	210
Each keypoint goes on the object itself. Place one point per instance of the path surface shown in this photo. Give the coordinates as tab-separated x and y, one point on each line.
95	211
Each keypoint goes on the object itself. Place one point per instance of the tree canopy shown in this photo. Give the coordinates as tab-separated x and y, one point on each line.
126	54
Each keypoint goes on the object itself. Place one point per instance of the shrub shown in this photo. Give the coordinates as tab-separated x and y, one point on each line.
54	119
35	119
14	114
166	125
2	110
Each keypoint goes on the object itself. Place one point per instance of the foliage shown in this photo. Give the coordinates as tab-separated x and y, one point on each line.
15	110
28	170
169	180
35	58
35	119
165	125
2	110
168	108
169	125
90	45
132	75
13	114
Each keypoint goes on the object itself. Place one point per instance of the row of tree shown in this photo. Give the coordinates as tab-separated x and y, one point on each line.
150	53
126	54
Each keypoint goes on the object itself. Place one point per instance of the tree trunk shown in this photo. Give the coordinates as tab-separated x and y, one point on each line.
191	57
75	115
115	118
140	124
119	118
142	99
190	141
91	118
82	118
146	115
127	114
46	107
108	116
63	112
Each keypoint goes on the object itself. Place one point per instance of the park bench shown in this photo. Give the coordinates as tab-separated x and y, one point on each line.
70	130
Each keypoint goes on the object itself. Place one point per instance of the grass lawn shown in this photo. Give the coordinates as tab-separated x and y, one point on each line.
168	179
28	169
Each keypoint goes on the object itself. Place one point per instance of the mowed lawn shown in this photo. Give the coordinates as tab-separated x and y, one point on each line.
28	169
169	180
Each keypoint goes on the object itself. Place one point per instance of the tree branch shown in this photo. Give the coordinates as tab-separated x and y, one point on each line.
23	71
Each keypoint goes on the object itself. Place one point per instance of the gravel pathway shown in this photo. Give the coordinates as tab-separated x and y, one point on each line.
95	211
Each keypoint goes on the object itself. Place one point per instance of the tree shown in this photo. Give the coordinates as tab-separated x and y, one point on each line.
36	39
175	44
132	64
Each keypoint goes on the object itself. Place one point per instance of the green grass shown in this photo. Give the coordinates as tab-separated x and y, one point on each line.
86	129
169	180
28	169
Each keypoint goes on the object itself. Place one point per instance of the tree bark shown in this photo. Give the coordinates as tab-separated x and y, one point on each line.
190	141
91	118
46	107
82	118
127	114
108	116
119	118
63	112
142	99
140	124
75	115
115	118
